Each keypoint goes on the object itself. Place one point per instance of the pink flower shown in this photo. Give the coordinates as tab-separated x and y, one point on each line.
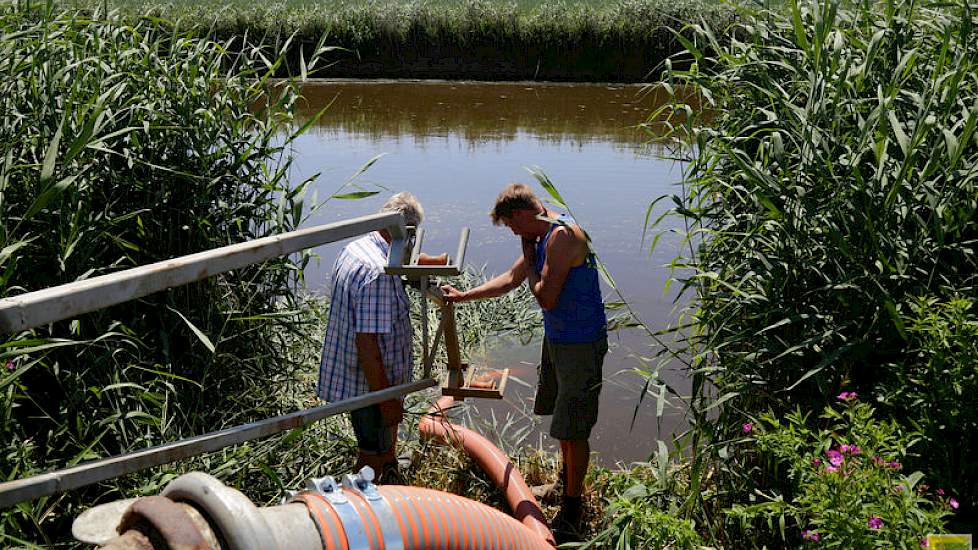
810	535
875	522
846	396
10	365
940	492
924	543
747	428
831	469
894	465
835	457
899	488
878	461
851	449
953	503
816	462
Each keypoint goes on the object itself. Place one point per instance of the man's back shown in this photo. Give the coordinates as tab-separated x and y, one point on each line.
364	300
579	314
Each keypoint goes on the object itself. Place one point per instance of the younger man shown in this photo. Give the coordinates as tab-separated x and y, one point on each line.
562	275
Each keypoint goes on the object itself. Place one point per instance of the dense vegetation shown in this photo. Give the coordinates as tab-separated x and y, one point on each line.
831	213
125	143
128	141
620	41
831	209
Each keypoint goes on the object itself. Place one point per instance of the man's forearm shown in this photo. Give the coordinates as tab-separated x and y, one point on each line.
371	361
497	286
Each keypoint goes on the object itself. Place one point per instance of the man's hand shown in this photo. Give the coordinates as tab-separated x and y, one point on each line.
451	294
392	411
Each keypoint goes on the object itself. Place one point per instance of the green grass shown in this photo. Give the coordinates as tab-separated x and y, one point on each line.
524	7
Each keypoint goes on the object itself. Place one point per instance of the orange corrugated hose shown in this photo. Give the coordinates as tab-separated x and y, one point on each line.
428	520
494	462
434	520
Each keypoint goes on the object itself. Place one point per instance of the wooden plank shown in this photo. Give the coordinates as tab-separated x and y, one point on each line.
464	392
451	337
59	481
503	380
423	270
430	359
70	300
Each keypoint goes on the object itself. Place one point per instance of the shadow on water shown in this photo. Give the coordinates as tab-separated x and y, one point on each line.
455	145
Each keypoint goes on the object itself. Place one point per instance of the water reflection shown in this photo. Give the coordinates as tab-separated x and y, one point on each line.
454	146
483	113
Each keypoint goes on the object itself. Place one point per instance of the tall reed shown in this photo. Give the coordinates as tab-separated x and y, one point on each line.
836	182
125	142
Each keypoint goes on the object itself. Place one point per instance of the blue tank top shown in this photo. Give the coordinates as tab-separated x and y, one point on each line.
579	316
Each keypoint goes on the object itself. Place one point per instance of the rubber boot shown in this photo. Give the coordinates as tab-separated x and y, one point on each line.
566	525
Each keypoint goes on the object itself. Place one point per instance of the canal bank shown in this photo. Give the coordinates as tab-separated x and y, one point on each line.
622	41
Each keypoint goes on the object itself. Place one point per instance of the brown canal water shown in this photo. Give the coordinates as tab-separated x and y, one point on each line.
455	145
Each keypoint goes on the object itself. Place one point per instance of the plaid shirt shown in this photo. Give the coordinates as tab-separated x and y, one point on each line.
365	300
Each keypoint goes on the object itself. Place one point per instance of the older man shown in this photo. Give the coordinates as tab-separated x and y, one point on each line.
562	275
368	338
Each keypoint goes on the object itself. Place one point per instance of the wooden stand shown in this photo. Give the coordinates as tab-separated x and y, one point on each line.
459	385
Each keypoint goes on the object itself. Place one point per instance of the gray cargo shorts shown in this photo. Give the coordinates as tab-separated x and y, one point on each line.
569	386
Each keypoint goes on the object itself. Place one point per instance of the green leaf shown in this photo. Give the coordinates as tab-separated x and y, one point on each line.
636	491
200	335
49	195
548	186
901	136
8	251
799	26
51	156
897	320
356	195
951	143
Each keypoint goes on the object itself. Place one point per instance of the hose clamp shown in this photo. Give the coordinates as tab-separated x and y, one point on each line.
353	524
362	484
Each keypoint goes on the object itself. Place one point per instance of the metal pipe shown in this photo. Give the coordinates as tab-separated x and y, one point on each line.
70	300
12	492
418	243
463	242
492	461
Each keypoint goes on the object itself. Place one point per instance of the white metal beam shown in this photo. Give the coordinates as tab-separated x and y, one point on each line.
70	300
12	492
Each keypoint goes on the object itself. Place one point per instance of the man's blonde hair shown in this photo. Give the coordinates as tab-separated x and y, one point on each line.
516	196
407	205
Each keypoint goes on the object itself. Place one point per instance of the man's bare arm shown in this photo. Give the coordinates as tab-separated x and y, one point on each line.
372	364
497	286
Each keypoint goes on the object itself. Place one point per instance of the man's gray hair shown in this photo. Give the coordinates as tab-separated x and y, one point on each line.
407	205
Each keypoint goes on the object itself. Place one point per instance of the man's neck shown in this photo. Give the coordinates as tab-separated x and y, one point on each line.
544	226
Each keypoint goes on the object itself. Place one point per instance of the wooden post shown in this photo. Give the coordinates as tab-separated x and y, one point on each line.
456	374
